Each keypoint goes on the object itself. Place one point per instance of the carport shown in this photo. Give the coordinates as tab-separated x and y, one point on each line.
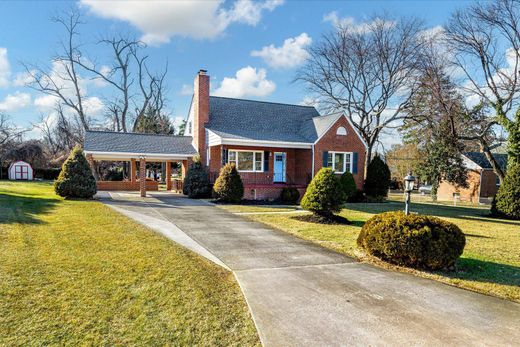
138	148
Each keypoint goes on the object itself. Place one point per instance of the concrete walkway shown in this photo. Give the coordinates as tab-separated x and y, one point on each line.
301	294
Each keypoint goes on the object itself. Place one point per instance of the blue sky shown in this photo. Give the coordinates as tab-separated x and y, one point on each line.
219	37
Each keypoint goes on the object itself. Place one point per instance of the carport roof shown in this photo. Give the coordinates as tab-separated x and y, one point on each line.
109	143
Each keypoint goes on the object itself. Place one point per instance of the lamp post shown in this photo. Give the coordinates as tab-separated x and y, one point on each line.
409	181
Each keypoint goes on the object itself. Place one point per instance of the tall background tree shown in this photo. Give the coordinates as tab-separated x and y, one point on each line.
367	71
484	39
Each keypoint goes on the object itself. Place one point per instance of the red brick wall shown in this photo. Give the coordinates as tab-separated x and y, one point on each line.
125	185
471	194
201	114
349	143
266	193
488	187
298	162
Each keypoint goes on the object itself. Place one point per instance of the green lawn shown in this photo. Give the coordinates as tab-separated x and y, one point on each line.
78	273
490	263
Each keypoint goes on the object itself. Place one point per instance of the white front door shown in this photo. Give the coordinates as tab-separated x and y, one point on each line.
279	167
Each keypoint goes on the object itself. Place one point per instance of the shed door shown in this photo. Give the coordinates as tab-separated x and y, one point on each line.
21	172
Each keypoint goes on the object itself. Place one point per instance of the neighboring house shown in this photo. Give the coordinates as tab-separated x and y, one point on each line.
20	170
273	145
483	184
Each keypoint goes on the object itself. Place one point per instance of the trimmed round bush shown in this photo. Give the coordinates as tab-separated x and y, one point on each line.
289	195
75	179
324	195
348	185
507	201
417	241
377	181
196	183
228	187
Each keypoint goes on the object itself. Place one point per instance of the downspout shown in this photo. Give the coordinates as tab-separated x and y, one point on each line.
312	176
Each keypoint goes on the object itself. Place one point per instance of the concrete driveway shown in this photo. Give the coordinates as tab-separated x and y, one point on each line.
302	294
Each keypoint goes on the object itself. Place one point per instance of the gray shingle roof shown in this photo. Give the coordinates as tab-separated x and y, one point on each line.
480	159
108	141
262	121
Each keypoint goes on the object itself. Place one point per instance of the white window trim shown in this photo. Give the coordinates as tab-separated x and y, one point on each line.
254	155
344	162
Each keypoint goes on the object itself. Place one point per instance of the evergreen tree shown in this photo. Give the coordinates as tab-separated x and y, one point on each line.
378	177
436	116
228	187
153	122
507	201
76	179
324	195
348	185
196	183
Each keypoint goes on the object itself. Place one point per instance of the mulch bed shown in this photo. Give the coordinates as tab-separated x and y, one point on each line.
312	218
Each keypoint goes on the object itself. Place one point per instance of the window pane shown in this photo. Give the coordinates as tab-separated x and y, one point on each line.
329	160
339	160
232	156
245	161
258	161
348	161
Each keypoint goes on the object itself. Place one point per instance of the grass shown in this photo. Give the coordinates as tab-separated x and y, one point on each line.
490	263
78	273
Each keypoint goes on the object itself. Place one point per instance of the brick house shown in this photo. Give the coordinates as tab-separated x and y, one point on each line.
483	184
273	145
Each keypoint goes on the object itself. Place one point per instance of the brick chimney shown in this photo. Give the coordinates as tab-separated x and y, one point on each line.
201	115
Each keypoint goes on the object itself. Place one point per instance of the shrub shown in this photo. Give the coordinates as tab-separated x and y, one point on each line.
324	195
228	187
47	174
348	185
75	179
196	183
507	201
417	241
358	197
290	195
377	181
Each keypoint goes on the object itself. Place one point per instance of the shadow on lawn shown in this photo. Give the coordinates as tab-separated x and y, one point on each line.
485	271
24	209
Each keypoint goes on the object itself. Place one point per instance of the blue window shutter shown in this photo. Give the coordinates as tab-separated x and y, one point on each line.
266	161
354	162
224	156
325	158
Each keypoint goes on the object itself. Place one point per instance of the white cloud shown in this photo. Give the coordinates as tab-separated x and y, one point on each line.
310	101
15	101
5	68
248	81
93	106
350	23
23	78
186	89
161	20
291	54
46	102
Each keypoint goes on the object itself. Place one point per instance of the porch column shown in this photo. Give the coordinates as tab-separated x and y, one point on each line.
168	175
90	160
133	170
184	168
142	176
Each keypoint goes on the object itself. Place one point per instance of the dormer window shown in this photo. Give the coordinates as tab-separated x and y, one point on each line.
341	131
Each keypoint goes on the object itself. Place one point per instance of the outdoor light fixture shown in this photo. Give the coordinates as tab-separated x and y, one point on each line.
409	181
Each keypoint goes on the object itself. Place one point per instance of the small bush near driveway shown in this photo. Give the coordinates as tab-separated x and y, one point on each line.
417	241
228	187
76	179
289	195
324	195
377	181
348	185
196	183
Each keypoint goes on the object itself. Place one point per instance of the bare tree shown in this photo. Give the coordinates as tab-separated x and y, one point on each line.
485	41
63	80
10	135
366	71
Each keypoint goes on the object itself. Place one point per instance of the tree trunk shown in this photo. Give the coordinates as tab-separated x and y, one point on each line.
494	164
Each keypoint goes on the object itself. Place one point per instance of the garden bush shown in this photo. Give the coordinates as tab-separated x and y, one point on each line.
290	195
348	185
196	183
357	197
75	179
377	181
417	241
228	187
507	201
324	195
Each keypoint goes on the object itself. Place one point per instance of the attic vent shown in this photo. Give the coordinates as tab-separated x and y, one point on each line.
341	131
